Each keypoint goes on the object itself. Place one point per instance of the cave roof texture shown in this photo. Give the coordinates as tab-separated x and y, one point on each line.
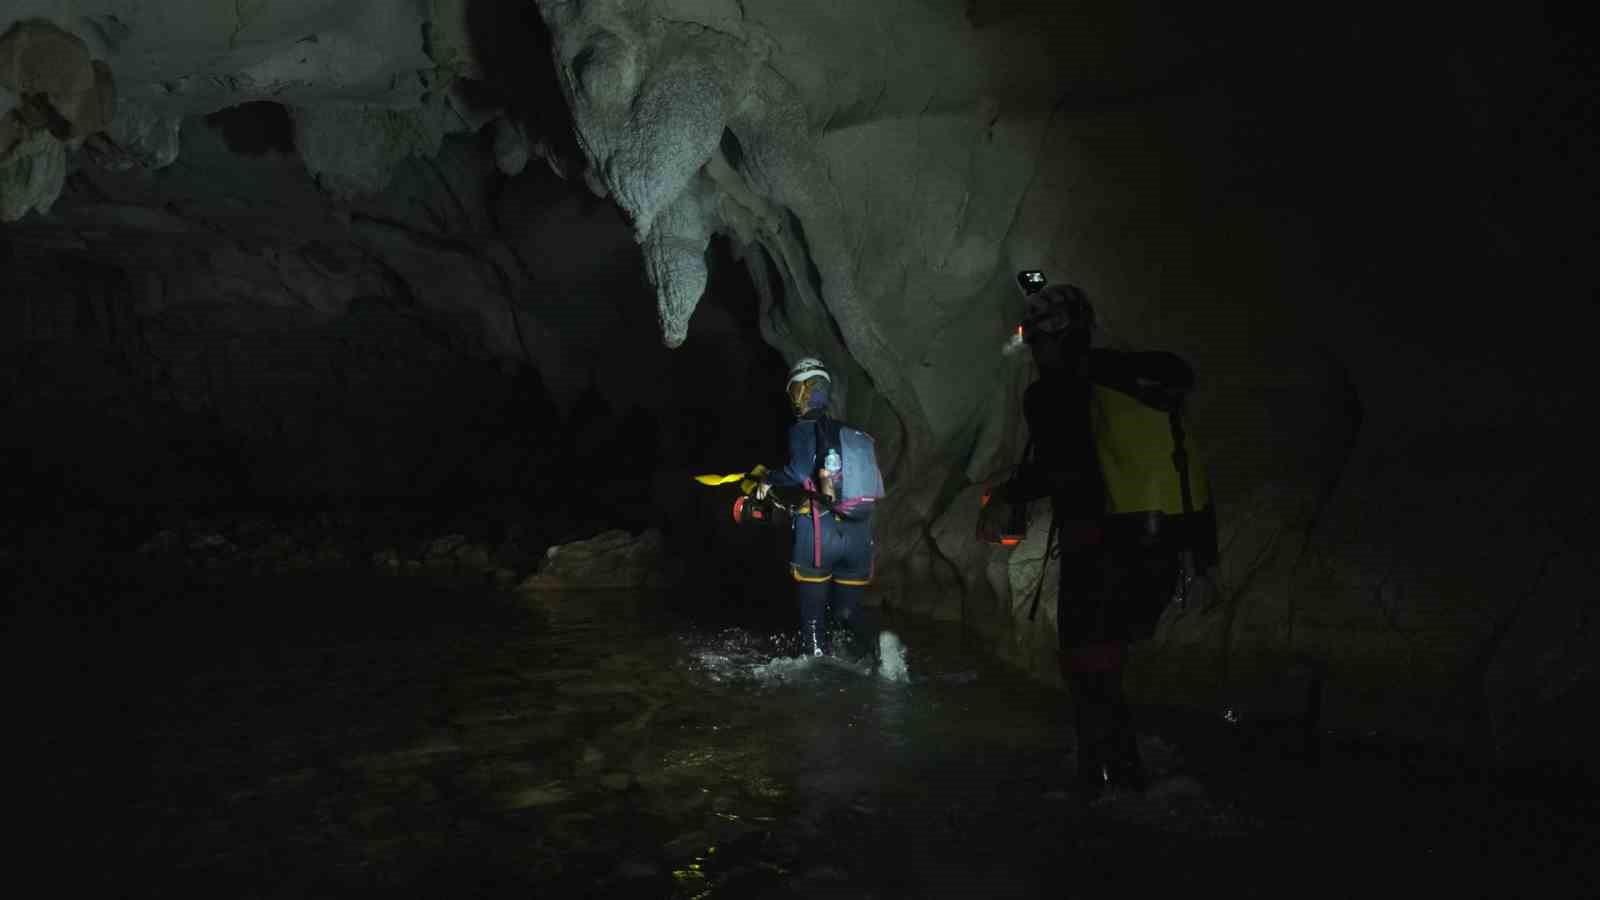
892	189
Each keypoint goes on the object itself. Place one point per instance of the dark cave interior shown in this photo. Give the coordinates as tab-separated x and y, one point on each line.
233	387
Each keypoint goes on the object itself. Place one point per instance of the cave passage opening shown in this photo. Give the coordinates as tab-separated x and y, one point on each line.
255	128
472	372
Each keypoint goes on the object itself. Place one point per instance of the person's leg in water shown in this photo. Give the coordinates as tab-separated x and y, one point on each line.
812	571
812	593
1134	595
1108	750
1092	660
1124	768
852	572
860	625
1094	676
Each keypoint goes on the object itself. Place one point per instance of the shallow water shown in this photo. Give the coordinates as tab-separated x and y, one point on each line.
381	737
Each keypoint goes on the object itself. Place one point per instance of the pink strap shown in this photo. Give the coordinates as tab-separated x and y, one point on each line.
816	529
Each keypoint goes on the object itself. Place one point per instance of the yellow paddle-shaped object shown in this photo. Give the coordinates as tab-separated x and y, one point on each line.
747	479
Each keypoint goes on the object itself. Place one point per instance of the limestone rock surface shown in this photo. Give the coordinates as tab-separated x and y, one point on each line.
889	166
1385	332
136	70
610	560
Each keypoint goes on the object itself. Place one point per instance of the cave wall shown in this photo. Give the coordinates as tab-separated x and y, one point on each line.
1363	227
1312	205
465	349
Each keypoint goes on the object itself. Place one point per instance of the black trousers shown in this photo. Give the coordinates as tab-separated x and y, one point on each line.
1114	589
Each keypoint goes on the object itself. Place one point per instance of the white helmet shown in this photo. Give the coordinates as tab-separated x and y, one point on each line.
807	369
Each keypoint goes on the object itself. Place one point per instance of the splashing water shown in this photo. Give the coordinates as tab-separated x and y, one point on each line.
892	658
736	655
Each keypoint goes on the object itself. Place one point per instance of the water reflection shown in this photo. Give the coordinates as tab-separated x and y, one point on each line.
608	745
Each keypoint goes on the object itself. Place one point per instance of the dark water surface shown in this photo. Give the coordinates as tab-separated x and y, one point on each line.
340	737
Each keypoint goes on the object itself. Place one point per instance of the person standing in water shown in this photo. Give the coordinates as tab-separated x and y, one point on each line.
835	465
1128	509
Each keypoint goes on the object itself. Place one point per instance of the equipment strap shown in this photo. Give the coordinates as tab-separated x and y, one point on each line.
816	524
1044	567
1180	456
1180	461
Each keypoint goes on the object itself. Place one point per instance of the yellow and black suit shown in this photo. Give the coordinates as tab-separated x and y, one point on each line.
1103	453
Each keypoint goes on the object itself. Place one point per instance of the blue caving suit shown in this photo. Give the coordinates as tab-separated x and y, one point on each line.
832	556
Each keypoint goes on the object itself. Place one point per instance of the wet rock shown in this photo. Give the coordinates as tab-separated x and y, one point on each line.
144	136
33	168
164	541
591	761
443	547
612	559
524	798
511	151
514	556
212	543
1159	756
473	558
633	868
387	560
1178	791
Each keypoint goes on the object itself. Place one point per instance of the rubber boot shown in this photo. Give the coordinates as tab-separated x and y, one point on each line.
1091	728
1124	768
813	638
813	599
863	630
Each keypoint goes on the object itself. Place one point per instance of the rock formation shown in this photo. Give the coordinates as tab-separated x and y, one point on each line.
1336	215
896	162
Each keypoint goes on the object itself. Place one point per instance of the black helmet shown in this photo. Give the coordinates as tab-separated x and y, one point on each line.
1055	311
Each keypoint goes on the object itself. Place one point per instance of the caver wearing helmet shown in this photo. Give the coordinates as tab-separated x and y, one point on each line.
836	466
1104	436
1055	311
809	386
1057	324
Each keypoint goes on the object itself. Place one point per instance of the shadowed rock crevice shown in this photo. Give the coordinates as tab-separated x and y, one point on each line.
255	128
506	39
